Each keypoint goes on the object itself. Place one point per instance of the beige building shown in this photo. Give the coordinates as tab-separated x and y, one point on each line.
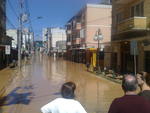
82	28
131	35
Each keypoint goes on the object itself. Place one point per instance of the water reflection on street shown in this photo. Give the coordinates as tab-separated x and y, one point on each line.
45	75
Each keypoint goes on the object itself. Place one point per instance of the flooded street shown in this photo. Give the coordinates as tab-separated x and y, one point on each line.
40	80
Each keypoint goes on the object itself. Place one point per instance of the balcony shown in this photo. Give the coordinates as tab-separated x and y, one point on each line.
132	24
68	31
78	26
68	43
123	1
78	40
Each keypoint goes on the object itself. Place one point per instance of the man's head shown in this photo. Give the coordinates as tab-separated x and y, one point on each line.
129	83
67	90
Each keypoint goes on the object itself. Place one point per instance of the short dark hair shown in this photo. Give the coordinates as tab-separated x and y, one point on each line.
67	90
147	79
129	83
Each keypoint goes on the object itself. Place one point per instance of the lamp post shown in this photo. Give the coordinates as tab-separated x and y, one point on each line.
98	37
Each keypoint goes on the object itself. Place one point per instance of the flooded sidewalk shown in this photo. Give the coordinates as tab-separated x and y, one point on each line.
40	80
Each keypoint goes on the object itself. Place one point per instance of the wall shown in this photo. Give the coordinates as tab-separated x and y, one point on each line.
98	16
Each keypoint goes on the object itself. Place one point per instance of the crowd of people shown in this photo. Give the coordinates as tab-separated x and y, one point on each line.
130	102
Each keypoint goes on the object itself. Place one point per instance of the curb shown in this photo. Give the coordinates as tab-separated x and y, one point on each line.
108	78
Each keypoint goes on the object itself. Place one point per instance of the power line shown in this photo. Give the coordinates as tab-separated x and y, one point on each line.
13	9
7	19
28	12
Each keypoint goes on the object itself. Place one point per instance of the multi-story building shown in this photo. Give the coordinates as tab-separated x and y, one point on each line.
46	39
2	21
14	34
2	33
27	40
57	34
131	35
51	36
82	28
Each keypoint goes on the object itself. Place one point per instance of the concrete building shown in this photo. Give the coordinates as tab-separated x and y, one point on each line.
2	33
82	28
51	36
131	35
14	34
2	21
46	39
27	40
57	35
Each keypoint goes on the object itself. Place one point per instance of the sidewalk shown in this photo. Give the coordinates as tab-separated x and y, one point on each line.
6	76
107	77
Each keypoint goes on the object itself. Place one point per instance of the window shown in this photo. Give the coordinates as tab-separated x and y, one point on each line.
137	10
119	17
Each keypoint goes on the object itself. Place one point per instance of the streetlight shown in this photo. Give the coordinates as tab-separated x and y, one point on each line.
98	37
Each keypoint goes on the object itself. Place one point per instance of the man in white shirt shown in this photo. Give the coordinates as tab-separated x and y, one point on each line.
66	104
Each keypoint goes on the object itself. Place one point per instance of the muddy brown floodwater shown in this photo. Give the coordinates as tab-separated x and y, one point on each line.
40	80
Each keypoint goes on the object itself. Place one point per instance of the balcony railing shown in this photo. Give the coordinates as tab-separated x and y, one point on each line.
135	23
68	31
78	40
68	43
123	1
78	26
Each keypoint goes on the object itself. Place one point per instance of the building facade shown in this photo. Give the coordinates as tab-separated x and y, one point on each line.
2	33
57	35
14	34
2	21
53	38
130	36
27	40
82	28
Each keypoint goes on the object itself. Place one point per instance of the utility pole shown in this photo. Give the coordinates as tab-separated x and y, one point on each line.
20	34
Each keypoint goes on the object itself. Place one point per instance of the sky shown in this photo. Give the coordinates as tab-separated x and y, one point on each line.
54	13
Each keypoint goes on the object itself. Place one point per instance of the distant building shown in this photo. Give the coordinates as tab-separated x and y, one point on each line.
27	40
81	30
14	34
46	33
57	34
61	46
51	36
106	2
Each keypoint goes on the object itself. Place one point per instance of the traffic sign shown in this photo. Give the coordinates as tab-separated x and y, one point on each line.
7	49
133	47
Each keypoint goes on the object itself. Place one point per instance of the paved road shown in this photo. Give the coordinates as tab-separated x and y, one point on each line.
40	80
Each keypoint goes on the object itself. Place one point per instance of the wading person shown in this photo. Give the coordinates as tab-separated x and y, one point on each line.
130	102
66	104
144	84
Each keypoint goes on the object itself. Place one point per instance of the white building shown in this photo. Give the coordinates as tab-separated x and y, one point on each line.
27	40
44	34
57	34
14	34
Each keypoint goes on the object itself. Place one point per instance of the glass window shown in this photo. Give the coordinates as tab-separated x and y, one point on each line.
119	17
137	10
